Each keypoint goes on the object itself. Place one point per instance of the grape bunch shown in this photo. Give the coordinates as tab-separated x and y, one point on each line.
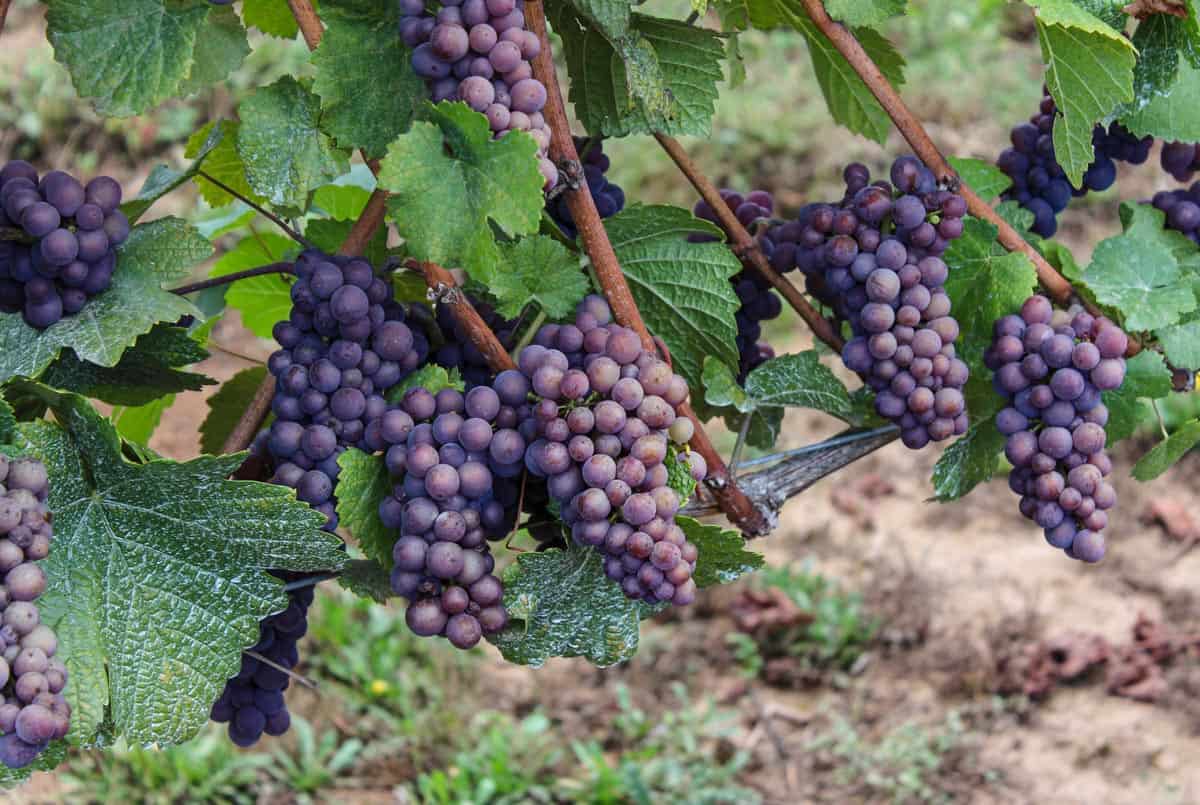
252	702
456	461
67	252
601	434
1181	160
1052	368
758	302
457	351
608	197
876	260
34	710
479	52
1039	183
1182	208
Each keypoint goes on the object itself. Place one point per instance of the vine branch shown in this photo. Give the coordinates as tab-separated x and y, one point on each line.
740	509
258	208
746	247
444	289
308	21
4	4
272	268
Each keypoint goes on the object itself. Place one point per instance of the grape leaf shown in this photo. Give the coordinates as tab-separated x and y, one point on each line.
871	13
1089	72
1157	40
1174	116
262	300
972	460
723	555
1146	376
157	575
561	604
162	180
222	162
721	392
682	289
1181	342
984	178
157	252
367	579
721	389
328	235
799	380
536	269
365	79
220	48
146	371
272	17
431	377
1109	11
130	56
8	422
280	141
342	202
361	487
136	424
226	407
454	164
1167	452
1138	272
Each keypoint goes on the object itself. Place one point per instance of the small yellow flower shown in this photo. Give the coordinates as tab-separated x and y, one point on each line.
379	687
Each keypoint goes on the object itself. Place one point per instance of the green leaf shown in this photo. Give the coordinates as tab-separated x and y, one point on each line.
682	289
972	460
1146	375
366	578
365	79
8	422
871	13
220	48
362	486
723	555
328	235
431	377
1089	72
146	371
454	164
272	17
983	177
227	405
262	300
1181	342
536	269
721	389
280	141
162	180
1138	273
561	604
1175	115
214	147
1157	40
157	574
1167	452
799	380
137	424
157	252
130	56
342	202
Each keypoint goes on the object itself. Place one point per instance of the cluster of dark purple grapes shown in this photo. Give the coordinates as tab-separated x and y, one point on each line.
67	237
600	435
457	351
252	702
34	710
758	302
608	197
1181	160
478	51
1182	208
1039	183
875	259
456	463
1052	367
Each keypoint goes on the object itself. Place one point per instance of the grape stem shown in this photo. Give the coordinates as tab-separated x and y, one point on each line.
1056	285
303	680
740	509
270	216
746	247
736	456
273	268
12	233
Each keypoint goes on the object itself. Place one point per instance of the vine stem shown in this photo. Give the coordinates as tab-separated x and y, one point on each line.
303	680
444	289
4	4
740	509
308	21
265	213
746	247
273	268
1058	286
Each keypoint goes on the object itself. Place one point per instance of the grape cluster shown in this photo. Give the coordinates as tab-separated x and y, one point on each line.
479	52
1052	367
601	434
758	302
252	702
608	197
456	464
73	230
34	710
1039	183
457	351
1182	208
1181	160
876	260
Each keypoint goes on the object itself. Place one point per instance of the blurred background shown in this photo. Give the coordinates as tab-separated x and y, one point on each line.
894	650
